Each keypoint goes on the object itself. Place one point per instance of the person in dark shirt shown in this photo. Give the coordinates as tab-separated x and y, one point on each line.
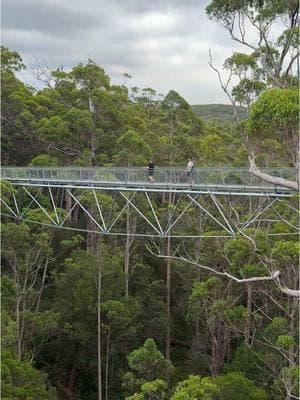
151	167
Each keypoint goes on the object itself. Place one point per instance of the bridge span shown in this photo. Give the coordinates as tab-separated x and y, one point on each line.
216	180
60	196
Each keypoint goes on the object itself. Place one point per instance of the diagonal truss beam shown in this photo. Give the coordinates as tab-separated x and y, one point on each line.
16	203
119	215
155	225
154	213
53	205
85	210
146	235
256	214
139	212
99	210
40	206
69	212
221	212
178	218
209	214
9	208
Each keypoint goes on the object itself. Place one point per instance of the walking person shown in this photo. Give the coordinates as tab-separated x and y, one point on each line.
189	170
151	167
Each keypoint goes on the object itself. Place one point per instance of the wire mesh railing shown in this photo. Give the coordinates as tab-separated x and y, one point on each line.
210	176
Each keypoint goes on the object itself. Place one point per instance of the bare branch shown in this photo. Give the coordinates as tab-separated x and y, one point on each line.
273	277
224	85
42	72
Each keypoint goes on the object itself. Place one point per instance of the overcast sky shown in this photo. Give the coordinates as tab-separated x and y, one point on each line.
162	44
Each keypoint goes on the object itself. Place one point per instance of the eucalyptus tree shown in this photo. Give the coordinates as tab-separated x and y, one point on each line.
15	147
268	32
26	256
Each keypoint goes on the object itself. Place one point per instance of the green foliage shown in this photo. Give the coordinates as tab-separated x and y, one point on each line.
238	251
154	390
21	381
10	60
246	361
44	160
50	280
196	387
134	149
286	251
72	243
147	364
285	341
234	386
274	111
218	112
277	327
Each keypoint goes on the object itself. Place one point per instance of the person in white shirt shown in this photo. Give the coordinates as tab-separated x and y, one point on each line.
189	169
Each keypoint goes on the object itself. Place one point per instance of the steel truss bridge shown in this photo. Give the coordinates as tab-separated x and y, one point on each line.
106	196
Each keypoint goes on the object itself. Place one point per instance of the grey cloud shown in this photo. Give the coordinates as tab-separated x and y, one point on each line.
139	6
47	17
162	44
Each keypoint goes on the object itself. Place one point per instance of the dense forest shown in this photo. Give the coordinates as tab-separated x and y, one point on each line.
87	316
218	112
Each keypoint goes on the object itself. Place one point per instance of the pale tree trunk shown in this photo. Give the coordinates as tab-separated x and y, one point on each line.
93	135
276	181
197	343
91	239
168	286
75	213
168	289
291	350
196	347
22	307
19	341
21	344
99	287
17	310
127	253
68	200
38	302
248	319
107	363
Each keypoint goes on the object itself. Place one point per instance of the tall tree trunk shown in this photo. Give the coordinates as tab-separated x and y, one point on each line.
291	350
91	240
75	213
19	341
168	284
93	135
218	348
99	287
68	200
127	253
168	289
196	346
38	302
17	308
106	367
248	319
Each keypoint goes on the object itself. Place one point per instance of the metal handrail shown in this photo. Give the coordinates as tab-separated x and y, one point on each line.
202	175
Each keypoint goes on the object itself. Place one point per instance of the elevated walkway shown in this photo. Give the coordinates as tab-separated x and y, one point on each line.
215	180
213	202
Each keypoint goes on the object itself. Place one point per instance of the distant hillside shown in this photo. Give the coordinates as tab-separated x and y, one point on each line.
217	112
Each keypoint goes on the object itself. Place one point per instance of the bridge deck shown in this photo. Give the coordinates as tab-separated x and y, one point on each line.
233	181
